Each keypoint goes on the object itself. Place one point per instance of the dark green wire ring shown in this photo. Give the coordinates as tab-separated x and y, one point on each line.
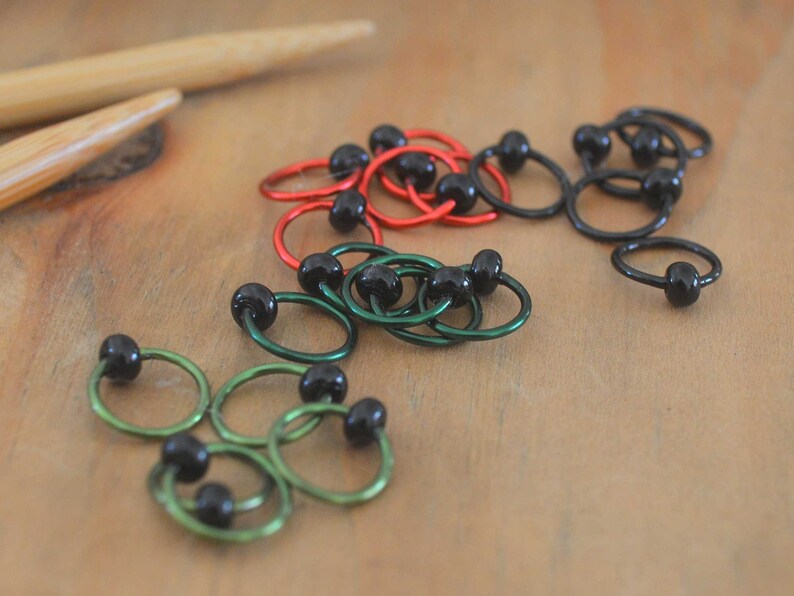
484	334
427	341
370	491
240	506
393	321
191	420
347	248
172	502
304	357
249	375
365	247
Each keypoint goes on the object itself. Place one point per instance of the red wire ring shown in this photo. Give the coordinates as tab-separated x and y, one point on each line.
398	222
267	190
278	233
468	220
453	146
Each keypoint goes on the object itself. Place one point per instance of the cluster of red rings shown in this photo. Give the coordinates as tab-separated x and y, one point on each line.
353	171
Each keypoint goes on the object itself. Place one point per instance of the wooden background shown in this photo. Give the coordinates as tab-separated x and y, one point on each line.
611	446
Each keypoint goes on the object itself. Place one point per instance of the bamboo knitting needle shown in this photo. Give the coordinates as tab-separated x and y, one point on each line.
45	92
33	162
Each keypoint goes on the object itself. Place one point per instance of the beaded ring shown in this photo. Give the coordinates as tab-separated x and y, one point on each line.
388	136
402	192
322	382
660	189
254	308
682	282
513	150
185	459
383	284
345	165
679	120
322	276
418	172
364	422
120	360
368	221
592	143
155	484
417	339
502	279
462	189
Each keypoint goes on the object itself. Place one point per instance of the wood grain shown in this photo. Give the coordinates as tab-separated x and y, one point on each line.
34	161
612	446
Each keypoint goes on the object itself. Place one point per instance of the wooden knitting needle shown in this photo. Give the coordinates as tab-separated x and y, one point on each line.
44	92
33	162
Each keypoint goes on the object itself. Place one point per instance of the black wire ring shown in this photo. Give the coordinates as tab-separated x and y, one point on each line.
603	235
498	204
697	281
678	119
663	129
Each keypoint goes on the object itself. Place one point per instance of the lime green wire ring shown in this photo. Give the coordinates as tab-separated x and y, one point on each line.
247	504
295	355
227	434
393	321
427	341
484	334
370	491
191	420
172	503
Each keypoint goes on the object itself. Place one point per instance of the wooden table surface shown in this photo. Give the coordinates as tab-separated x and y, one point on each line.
613	445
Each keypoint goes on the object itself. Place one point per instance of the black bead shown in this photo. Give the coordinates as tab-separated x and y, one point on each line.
346	159
188	454
513	150
323	380
215	505
645	147
450	282
682	286
381	281
592	142
486	268
348	211
659	185
386	137
363	422
259	300
317	269
458	187
417	169
122	357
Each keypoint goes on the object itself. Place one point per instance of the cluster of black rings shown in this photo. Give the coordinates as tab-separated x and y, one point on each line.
378	281
185	459
650	135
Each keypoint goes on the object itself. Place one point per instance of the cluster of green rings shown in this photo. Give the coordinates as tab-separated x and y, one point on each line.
277	476
418	312
187	423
